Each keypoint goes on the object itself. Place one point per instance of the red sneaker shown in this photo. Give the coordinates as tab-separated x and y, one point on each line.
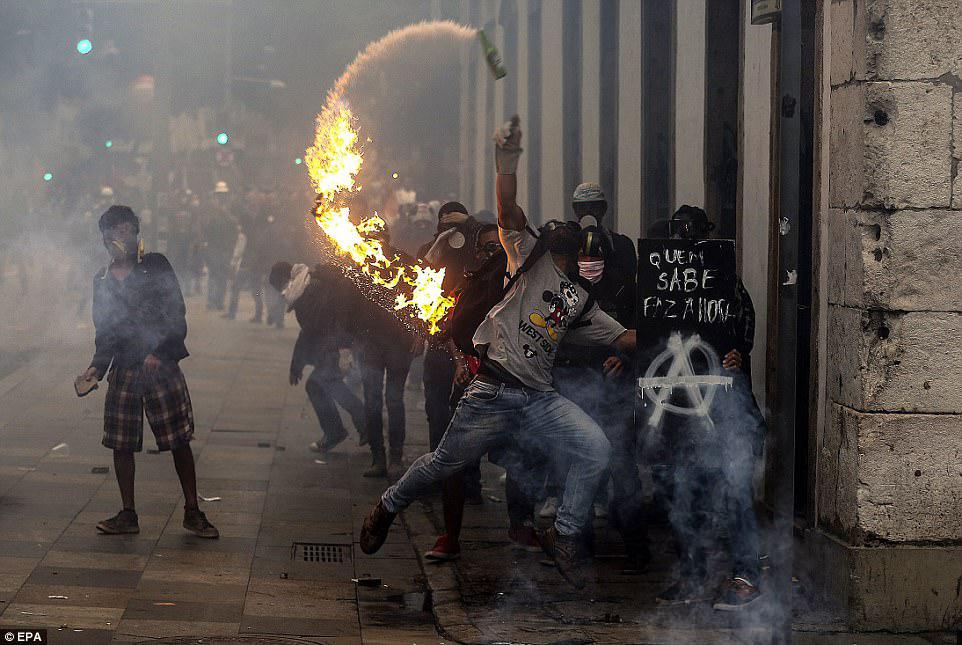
444	550
524	538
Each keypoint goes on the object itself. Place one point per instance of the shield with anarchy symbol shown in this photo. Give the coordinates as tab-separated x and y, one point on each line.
686	309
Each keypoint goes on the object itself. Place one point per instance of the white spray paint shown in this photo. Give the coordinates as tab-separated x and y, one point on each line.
700	388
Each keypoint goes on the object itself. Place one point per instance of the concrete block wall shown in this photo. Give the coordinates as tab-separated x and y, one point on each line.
889	461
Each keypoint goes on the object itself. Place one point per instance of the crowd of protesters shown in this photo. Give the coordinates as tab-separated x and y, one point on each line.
533	369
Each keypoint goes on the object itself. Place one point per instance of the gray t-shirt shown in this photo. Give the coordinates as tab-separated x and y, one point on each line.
523	331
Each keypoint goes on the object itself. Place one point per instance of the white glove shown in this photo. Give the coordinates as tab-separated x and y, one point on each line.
433	256
507	151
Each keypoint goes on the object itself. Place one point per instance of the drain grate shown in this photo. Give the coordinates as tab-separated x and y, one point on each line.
319	553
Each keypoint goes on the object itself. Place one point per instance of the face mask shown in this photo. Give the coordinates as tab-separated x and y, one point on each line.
122	249
591	270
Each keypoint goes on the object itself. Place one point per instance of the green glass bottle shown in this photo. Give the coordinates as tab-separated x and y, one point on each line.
491	56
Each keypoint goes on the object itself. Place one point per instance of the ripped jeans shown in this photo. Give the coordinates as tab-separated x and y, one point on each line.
491	415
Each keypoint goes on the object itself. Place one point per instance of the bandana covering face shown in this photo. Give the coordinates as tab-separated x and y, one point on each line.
591	270
300	278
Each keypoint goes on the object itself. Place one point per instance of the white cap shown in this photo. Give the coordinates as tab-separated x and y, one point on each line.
588	192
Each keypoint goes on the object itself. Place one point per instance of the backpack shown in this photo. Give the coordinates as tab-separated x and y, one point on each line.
486	287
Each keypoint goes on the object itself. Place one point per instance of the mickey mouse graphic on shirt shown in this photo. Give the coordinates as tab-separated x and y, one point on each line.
560	306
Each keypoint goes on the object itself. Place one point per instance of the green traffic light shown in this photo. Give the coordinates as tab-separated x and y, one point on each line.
47	176
84	46
298	161
222	138
108	144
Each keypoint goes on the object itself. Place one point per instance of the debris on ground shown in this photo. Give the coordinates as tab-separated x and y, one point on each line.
367	582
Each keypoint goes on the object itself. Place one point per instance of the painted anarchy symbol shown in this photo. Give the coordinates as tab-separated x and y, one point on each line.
700	388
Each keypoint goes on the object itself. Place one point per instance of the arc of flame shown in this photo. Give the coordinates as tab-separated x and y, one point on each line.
333	163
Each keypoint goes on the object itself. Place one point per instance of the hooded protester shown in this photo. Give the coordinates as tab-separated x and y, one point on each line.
472	302
512	395
322	301
599	380
451	251
139	316
713	471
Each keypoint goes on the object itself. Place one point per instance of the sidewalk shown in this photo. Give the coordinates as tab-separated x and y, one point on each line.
251	449
282	571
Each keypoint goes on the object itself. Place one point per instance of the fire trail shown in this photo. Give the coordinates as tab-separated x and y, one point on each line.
412	290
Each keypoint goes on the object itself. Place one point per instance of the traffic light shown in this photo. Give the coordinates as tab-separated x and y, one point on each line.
84	46
222	138
47	176
298	161
108	143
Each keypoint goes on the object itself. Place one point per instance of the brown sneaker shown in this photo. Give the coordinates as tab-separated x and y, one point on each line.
564	551
123	522
196	522
375	528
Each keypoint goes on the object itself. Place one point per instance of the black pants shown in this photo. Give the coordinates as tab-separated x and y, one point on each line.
712	478
438	381
325	388
610	402
216	286
440	397
523	466
247	279
384	371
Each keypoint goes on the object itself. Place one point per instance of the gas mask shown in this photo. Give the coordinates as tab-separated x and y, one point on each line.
590	213
562	238
591	254
120	250
689	223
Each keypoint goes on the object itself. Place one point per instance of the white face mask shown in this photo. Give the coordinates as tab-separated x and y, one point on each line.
591	270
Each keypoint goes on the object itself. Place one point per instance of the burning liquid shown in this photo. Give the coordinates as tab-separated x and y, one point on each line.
333	163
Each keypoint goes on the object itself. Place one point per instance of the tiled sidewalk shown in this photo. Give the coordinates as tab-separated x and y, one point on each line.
252	433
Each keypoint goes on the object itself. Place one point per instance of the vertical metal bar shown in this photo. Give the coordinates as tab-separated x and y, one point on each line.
789	132
658	93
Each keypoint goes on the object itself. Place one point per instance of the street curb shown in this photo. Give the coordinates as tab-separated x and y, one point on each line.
450	617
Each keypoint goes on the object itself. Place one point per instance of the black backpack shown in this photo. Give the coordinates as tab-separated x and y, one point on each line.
486	287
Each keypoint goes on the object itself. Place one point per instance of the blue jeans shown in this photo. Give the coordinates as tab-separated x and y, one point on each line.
492	415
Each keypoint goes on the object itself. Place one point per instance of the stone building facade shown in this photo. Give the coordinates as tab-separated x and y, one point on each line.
888	472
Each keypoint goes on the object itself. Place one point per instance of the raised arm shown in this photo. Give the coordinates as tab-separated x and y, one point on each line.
507	151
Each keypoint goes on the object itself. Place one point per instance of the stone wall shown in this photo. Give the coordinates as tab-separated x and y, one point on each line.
889	462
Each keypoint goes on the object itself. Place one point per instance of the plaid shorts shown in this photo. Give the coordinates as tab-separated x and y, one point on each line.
163	396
